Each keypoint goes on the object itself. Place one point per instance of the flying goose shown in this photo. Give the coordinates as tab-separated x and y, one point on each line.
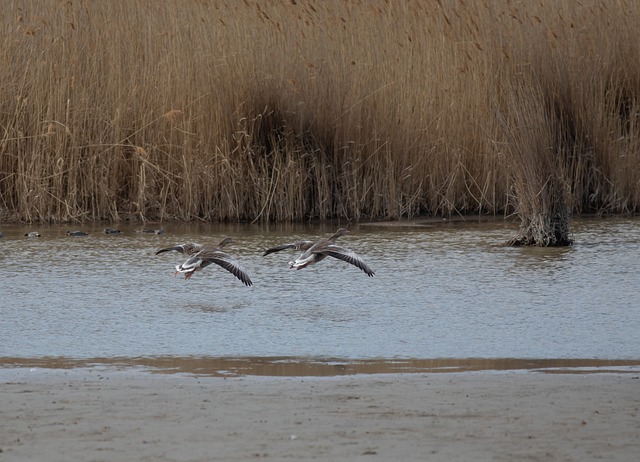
314	252
200	258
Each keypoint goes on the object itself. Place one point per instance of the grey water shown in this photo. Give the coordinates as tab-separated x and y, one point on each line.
441	290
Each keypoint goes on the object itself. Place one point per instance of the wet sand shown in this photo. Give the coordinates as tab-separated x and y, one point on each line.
109	415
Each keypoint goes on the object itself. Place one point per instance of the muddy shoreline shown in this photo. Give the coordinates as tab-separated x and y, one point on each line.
109	415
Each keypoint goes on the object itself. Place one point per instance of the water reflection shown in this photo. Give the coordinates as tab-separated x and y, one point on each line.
299	367
209	308
440	291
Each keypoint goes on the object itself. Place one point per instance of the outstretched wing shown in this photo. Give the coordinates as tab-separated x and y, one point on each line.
187	249
227	262
300	245
349	256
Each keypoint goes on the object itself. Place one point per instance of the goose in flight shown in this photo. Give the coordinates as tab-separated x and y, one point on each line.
316	251
200	258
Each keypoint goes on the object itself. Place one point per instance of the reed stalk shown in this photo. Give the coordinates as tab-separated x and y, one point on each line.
288	111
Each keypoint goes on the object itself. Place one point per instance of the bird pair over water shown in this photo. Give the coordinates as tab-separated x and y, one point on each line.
312	253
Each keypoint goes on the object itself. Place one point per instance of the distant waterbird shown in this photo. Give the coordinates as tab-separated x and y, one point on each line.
151	231
110	230
32	234
77	233
316	251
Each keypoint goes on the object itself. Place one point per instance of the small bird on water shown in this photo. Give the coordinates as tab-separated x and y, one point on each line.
316	251
200	258
158	231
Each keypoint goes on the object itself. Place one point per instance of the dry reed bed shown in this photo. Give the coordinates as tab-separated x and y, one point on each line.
273	110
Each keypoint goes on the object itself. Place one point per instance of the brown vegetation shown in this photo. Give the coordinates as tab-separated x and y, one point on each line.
273	110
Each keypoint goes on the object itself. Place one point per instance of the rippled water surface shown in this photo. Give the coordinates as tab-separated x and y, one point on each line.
440	291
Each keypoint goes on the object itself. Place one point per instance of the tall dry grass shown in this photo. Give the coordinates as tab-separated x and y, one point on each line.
273	110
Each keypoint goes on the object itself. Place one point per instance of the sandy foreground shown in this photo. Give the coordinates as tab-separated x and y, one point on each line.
110	415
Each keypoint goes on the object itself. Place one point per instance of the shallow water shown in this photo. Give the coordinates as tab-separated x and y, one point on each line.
444	290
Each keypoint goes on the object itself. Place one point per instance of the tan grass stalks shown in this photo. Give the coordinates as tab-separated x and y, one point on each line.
267	110
538	166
